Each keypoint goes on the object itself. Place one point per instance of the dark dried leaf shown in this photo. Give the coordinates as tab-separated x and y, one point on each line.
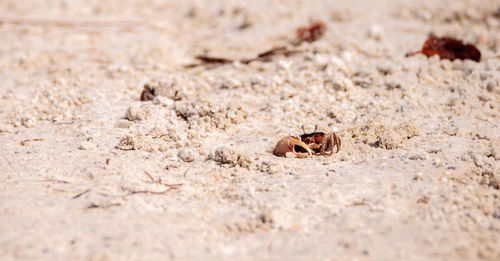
449	48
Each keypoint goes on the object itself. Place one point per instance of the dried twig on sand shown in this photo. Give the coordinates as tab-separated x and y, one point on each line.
152	192
169	186
81	194
267	55
263	57
309	33
216	60
25	141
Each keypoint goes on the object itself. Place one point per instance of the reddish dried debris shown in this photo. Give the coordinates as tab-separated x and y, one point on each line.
423	200
448	48
312	32
25	141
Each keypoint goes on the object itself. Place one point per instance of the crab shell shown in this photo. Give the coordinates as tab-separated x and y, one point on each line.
292	145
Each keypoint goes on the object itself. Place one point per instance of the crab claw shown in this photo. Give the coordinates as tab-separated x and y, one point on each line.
292	145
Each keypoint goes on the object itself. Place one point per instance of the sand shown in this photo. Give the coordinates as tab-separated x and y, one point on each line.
90	172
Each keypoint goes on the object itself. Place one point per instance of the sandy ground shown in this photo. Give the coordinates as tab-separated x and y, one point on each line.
417	177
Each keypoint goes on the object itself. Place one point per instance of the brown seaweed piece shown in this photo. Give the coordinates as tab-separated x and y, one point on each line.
448	48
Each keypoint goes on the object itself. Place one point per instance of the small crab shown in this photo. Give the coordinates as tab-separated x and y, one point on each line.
307	144
321	143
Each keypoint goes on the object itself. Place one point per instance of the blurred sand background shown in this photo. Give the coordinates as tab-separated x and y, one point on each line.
417	177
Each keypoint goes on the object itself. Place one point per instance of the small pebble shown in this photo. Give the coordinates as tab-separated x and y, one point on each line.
375	31
186	155
28	121
123	124
136	113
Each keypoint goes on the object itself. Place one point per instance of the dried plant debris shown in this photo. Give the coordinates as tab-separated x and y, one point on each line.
448	48
23	143
267	55
263	57
215	60
311	33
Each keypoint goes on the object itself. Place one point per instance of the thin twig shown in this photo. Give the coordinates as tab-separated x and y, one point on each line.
150	177
412	53
52	180
152	192
216	60
25	141
264	57
159	180
81	194
267	55
185	172
94	205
